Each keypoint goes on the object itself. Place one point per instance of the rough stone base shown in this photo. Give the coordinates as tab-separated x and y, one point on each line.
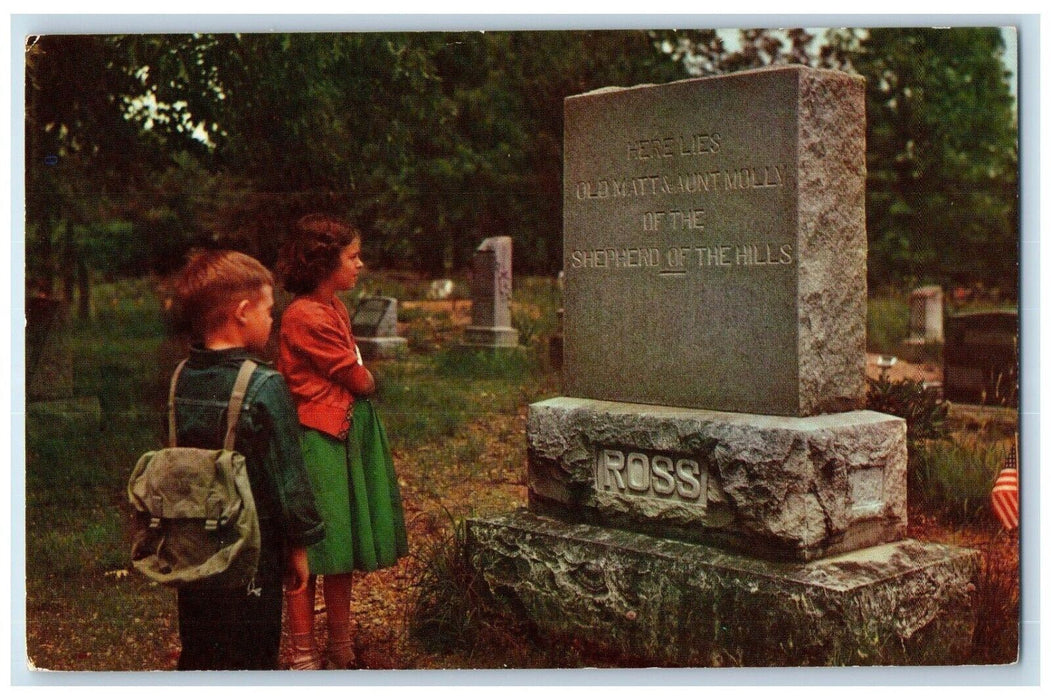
486	336
775	486
670	603
382	348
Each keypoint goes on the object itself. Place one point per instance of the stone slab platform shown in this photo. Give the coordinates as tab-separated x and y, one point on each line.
774	486
493	337
671	603
382	348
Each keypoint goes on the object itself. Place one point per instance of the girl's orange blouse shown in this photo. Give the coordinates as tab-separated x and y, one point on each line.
318	359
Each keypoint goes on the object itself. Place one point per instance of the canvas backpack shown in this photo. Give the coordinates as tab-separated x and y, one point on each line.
195	520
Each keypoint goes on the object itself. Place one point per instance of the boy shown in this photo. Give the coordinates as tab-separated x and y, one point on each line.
227	297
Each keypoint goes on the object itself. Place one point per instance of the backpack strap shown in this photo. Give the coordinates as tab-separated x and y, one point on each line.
237	397
171	403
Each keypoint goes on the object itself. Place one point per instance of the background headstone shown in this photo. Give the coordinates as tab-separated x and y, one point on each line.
375	327
980	358
376	317
926	312
491	284
717	243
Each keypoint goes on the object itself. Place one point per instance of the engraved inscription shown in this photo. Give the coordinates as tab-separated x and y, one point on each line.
672	146
674	219
677	259
727	180
666	216
639	474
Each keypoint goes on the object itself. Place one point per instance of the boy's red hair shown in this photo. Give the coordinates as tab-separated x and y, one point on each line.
213	282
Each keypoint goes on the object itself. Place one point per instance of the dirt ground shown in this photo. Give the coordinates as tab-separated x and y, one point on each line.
382	600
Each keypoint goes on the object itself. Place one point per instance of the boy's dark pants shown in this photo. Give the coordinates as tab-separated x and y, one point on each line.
233	629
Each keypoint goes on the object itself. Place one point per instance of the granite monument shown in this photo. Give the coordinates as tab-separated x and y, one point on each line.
491	283
708	481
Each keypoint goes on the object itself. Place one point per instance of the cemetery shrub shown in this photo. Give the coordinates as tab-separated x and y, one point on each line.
447	607
427	330
452	612
529	325
414	314
925	414
534	311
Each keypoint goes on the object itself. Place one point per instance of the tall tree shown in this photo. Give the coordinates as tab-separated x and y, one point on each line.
430	141
78	150
942	202
90	170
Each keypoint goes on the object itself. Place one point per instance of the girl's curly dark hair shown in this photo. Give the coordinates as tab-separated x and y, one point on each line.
312	251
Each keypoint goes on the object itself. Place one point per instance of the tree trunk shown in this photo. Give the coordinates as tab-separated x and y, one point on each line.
83	291
69	284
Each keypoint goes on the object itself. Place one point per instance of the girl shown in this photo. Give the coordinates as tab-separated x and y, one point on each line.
344	444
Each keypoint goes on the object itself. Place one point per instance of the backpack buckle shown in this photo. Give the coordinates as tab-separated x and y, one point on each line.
213	512
158	508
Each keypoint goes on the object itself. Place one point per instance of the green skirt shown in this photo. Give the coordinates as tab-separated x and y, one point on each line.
357	497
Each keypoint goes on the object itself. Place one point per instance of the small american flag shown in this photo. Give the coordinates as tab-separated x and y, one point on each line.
1005	490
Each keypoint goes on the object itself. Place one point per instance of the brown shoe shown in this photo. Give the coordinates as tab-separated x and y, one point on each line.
304	656
340	655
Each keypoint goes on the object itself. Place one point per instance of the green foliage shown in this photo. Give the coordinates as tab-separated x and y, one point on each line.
427	330
704	52
85	161
429	141
888	323
535	311
530	325
997	607
942	138
955	477
925	414
453	612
